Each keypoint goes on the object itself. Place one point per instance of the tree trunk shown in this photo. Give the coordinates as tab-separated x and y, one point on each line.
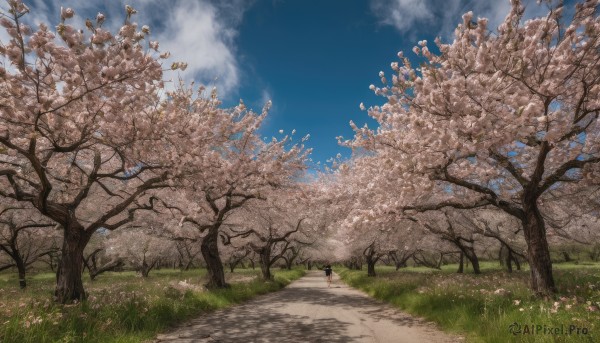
401	264
469	253
371	267
188	265
265	263
509	259
21	269
474	262
214	265
145	271
111	266
69	284
516	261
461	263
52	262
538	253
146	268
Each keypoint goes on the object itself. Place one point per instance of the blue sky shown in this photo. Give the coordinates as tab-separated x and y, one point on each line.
315	59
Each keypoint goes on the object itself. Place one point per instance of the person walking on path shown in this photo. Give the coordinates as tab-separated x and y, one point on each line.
328	274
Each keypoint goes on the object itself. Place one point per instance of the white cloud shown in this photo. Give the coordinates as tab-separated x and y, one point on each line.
194	34
199	32
440	17
402	14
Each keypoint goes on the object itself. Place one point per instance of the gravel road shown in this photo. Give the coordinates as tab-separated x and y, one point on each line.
308	311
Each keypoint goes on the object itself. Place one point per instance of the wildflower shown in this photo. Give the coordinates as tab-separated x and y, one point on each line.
500	291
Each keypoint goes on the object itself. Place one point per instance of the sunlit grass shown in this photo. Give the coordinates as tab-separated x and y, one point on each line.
482	307
122	307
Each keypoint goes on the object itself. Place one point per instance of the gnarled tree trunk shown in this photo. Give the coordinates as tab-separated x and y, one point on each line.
538	253
371	257
69	284
469	253
371	267
21	270
461	263
265	262
214	265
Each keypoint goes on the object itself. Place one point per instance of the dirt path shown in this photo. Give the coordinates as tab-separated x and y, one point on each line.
308	311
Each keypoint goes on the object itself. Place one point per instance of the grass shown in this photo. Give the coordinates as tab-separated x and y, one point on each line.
121	307
483	307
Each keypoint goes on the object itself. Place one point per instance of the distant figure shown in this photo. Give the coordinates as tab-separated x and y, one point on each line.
328	274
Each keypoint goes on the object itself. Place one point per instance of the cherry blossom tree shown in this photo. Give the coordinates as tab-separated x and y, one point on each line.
95	258
494	119
234	256
366	234
82	131
188	253
500	227
140	249
244	169
274	226
25	237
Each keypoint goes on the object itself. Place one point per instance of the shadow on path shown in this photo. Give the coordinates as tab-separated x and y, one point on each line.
305	311
248	325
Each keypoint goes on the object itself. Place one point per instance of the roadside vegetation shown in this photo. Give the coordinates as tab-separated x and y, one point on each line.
122	307
485	307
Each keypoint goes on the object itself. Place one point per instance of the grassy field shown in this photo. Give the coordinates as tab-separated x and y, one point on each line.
122	307
491	307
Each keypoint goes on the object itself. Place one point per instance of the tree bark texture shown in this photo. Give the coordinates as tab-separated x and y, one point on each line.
214	265
69	284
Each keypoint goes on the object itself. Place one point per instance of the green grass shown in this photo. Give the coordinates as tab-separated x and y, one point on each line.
482	307
121	307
